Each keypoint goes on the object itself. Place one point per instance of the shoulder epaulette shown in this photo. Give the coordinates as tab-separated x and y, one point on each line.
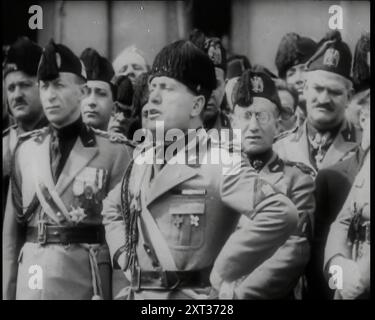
285	134
7	130
114	137
37	134
301	166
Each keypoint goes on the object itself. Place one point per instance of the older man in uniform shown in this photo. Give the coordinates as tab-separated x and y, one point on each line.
326	137
333	185
21	91
53	237
256	112
97	105
166	223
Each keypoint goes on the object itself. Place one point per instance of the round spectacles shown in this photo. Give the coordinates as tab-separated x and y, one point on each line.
262	117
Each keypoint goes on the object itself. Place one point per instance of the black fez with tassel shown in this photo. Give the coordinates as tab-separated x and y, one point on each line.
98	68
59	58
333	55
254	83
293	50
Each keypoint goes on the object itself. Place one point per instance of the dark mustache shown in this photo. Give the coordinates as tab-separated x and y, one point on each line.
19	101
327	106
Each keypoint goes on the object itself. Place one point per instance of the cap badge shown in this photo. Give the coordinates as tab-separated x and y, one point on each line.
214	53
331	58
257	84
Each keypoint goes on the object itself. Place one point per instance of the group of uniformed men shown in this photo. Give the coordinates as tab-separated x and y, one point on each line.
85	218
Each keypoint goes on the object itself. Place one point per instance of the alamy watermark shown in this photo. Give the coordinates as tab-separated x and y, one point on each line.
194	147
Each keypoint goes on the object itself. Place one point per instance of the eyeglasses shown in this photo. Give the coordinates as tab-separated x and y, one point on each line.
119	108
262	117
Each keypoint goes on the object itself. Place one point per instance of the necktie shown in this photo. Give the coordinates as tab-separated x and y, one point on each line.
55	156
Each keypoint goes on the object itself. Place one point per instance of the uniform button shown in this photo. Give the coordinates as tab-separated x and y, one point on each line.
59	214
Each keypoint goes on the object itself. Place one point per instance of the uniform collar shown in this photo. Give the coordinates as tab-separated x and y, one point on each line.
258	161
74	130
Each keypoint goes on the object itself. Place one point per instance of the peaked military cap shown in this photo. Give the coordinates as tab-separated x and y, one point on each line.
184	61
59	58
255	84
293	50
333	55
23	55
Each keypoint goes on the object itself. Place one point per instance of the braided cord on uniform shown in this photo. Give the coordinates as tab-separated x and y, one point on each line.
129	214
21	217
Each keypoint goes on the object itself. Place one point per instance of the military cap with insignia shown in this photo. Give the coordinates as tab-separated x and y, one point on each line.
212	46
256	84
293	50
98	68
185	62
23	55
59	58
333	55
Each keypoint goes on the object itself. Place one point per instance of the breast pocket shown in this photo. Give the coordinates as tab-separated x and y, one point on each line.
187	221
89	189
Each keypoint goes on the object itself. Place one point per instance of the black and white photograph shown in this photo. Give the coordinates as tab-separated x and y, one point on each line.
186	150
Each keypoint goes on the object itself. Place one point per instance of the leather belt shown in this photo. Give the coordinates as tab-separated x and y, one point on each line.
45	234
169	280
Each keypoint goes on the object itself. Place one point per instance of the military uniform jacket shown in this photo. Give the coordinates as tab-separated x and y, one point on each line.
94	161
196	208
277	276
337	241
295	146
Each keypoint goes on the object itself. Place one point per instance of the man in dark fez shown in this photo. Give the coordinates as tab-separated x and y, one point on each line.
332	188
97	105
326	137
20	89
256	112
53	221
188	211
292	54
